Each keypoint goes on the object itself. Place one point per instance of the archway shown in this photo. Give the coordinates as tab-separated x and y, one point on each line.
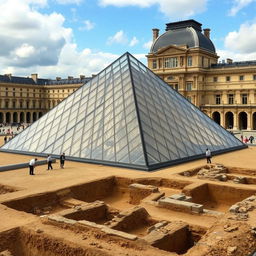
8	117
28	117
254	121
229	120
34	116
216	117
22	119
1	117
242	121
40	114
15	117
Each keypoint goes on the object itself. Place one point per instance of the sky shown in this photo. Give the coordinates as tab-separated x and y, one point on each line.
61	38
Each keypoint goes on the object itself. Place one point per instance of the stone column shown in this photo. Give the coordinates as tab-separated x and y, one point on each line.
224	98
235	121
222	119
251	97
237	97
249	121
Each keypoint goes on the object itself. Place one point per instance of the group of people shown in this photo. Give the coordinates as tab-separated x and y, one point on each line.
246	140
32	163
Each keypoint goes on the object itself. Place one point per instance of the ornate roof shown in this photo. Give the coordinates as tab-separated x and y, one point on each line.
187	32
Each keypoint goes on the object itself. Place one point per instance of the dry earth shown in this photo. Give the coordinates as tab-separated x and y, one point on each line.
24	232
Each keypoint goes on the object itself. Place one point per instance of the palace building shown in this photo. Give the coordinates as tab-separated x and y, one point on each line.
26	99
186	59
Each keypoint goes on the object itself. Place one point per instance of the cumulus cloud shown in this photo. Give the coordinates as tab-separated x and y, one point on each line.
147	45
171	8
238	5
224	54
32	42
29	37
118	38
243	40
87	25
133	42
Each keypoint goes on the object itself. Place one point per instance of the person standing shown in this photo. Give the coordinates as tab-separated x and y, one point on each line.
49	162
62	160
208	155
5	139
31	165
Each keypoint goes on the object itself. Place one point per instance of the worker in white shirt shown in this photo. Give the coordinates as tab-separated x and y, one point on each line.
31	165
49	162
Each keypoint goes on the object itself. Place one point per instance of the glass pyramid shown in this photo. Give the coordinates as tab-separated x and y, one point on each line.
125	116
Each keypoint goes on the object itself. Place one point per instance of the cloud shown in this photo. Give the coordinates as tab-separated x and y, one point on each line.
243	40
225	54
28	37
25	51
133	42
118	38
87	25
171	8
147	45
238	5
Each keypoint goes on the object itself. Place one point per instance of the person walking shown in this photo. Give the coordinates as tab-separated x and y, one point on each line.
5	139
31	165
208	155
62	160
49	162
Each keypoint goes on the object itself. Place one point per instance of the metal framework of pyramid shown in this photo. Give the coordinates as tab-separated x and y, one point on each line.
125	116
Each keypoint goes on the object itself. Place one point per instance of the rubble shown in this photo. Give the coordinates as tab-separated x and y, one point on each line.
213	172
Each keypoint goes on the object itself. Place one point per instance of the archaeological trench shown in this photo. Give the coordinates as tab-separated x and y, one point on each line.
210	210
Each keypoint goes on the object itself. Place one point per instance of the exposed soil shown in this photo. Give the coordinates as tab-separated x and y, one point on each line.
87	209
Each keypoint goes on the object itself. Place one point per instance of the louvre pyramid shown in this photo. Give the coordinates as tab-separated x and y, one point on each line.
125	116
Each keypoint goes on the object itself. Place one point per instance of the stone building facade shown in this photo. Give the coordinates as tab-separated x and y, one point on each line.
25	99
186	59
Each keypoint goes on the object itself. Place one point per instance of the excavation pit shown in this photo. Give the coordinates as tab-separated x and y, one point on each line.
217	172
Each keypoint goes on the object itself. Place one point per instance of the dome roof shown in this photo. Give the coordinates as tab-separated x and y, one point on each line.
183	33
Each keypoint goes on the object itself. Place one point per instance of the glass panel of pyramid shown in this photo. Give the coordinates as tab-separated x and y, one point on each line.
125	116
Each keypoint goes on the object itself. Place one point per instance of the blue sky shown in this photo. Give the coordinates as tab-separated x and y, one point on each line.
73	37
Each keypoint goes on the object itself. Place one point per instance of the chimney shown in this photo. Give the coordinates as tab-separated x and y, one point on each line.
229	61
155	33
58	78
34	77
9	75
207	32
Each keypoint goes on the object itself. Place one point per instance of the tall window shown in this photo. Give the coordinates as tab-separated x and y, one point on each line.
217	99
7	104
215	79
241	78
202	61
228	78
244	98
254	77
176	87
27	104
21	105
170	62
189	98
189	86
231	99
154	64
190	61
14	104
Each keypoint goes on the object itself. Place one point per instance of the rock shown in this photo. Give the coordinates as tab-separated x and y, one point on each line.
234	208
231	249
39	230
230	229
